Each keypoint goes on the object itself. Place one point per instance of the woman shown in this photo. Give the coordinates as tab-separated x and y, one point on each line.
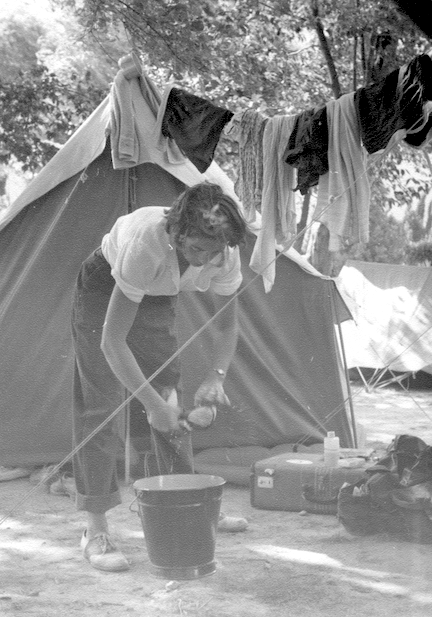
123	325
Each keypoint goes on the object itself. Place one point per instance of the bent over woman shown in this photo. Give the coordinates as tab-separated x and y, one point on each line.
123	325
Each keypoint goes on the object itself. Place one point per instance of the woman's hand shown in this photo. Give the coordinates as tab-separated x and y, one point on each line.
211	392
166	418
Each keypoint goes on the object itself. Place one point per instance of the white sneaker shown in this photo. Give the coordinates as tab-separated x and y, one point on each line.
102	554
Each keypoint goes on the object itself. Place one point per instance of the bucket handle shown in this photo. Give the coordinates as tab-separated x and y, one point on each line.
131	504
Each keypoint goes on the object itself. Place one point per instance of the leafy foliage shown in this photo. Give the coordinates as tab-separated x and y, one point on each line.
239	53
267	51
39	114
387	238
50	81
420	254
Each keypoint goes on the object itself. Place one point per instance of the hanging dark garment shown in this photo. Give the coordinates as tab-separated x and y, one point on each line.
388	106
307	148
419	12
195	124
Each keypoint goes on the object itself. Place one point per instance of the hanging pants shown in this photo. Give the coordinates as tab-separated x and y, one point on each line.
97	392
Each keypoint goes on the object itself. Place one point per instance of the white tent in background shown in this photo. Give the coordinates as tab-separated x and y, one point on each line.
391	306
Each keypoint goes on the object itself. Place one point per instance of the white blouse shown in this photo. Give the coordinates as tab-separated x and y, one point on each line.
144	263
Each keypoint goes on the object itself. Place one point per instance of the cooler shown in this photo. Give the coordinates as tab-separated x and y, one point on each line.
300	481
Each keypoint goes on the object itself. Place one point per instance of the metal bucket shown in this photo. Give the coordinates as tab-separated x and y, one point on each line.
179	515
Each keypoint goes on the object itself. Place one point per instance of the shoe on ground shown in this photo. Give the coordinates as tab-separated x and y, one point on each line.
231	524
102	554
13	473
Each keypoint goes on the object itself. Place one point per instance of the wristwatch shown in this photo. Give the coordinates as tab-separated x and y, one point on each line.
220	372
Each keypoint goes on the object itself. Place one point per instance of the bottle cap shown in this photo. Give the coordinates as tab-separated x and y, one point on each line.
331	434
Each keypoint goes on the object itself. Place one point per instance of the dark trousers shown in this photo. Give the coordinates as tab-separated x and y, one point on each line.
97	392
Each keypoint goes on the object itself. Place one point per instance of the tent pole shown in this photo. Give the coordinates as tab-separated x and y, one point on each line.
127	444
365	383
344	362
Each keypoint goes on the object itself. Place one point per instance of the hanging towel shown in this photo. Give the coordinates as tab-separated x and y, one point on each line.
247	129
132	124
195	124
278	208
134	105
124	141
343	199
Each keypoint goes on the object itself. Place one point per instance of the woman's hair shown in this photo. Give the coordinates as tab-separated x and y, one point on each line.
205	210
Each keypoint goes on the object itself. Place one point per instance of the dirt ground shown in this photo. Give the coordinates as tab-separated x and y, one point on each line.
285	564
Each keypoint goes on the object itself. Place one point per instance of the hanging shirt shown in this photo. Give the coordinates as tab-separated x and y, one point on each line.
307	148
143	262
399	101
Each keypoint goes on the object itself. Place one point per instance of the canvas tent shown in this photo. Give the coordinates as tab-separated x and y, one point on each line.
286	382
391	307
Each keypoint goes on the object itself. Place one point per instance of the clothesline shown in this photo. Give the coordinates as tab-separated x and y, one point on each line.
282	156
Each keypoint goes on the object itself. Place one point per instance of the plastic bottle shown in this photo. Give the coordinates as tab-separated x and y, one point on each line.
331	450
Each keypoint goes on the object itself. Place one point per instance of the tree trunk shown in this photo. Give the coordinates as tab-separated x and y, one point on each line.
327	262
325	49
